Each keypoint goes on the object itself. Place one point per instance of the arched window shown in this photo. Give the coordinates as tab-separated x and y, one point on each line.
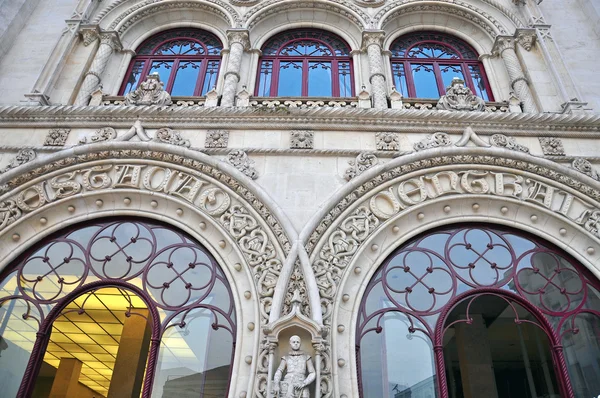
305	63
424	63
112	307
187	61
479	311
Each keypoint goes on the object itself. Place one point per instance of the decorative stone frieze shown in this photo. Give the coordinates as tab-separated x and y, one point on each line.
216	139
22	157
387	141
434	140
302	139
363	161
241	161
460	98
57	137
584	166
150	92
552	146
169	136
503	141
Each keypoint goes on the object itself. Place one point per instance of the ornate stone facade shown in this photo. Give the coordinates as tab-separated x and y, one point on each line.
342	182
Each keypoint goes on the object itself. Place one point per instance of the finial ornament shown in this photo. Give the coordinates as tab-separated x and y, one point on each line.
460	98
150	92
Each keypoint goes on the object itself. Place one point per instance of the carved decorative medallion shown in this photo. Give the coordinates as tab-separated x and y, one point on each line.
302	139
57	137
216	139
387	141
552	146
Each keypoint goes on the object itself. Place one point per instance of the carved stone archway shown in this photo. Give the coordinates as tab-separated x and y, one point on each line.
214	202
391	203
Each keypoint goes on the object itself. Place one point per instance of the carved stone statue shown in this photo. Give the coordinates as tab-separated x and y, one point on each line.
296	381
150	92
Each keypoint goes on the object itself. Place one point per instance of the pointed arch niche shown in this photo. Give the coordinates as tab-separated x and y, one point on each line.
116	307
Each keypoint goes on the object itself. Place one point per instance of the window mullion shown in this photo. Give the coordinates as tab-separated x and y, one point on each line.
438	78
410	82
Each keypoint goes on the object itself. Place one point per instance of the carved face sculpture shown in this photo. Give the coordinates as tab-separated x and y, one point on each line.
295	343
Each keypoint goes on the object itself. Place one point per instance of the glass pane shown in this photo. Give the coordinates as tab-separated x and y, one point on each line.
264	84
101	332
400	78
194	358
186	78
345	79
134	77
163	68
449	72
290	79
210	79
396	363
17	336
478	82
425	82
319	79
581	344
488	354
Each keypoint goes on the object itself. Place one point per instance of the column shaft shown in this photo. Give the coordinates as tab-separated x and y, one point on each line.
372	42
506	47
66	380
238	40
128	373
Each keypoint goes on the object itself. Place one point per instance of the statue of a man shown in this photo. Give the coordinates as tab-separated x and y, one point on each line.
296	381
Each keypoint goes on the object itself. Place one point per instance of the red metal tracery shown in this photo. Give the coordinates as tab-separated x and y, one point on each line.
177	276
173	52
305	50
430	276
437	55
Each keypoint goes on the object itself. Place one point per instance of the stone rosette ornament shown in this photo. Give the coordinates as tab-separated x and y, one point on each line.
460	98
150	92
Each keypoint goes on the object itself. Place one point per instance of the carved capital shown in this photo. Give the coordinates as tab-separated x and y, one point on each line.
370	37
240	36
502	44
526	37
112	39
89	34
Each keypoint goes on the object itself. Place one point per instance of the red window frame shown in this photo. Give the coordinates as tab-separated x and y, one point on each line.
467	56
339	49
211	45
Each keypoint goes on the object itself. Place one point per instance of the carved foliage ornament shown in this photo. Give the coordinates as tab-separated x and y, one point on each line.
169	136
460	98
434	140
298	284
241	161
584	166
150	92
363	161
503	141
57	137
22	157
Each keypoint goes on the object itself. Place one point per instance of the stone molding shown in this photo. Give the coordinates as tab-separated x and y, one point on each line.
392	120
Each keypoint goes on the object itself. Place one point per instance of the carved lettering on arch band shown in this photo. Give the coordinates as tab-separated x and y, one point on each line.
409	192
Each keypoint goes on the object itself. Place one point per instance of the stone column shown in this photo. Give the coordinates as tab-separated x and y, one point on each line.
109	43
372	42
128	373
238	42
475	359
505	47
66	380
